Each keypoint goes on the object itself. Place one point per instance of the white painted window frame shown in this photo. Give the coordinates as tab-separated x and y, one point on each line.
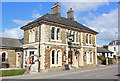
55	58
88	39
55	34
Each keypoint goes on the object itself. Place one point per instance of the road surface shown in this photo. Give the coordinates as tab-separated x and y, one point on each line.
100	72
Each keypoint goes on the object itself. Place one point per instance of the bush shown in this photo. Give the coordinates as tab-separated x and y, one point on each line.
12	72
101	57
22	65
110	61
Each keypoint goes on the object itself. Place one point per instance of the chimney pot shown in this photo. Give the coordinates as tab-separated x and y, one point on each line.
55	10
70	14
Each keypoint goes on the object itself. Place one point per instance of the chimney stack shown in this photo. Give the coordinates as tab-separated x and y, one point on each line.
70	14
55	10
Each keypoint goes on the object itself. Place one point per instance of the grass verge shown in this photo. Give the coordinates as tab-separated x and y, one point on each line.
12	72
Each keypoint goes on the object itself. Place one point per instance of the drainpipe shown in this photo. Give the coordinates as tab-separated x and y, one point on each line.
39	49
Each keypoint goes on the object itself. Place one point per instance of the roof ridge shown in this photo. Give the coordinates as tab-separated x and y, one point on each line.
9	38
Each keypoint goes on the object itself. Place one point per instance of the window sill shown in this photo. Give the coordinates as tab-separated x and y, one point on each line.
75	43
89	44
56	40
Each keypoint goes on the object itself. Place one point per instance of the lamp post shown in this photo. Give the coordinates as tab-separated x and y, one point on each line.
116	47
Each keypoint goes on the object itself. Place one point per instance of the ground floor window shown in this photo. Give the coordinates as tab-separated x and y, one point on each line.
56	57
31	58
90	56
53	57
3	57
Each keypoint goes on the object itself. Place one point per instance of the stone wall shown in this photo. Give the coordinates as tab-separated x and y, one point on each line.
84	39
63	36
47	55
85	55
11	57
26	36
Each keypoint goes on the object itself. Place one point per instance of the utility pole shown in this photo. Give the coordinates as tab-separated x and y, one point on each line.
116	47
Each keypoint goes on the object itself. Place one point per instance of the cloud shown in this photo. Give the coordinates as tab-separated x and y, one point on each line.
36	12
20	22
36	15
105	24
83	6
12	33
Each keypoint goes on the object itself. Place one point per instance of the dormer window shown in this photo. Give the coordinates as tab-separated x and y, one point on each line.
52	33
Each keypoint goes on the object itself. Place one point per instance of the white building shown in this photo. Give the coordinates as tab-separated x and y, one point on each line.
114	46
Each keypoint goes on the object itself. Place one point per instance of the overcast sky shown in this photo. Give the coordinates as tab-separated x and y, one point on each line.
99	16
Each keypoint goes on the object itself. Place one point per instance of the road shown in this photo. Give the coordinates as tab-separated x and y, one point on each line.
100	72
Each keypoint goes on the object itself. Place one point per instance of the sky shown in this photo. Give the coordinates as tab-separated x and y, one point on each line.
99	16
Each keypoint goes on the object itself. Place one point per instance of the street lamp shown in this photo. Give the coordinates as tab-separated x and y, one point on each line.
116	47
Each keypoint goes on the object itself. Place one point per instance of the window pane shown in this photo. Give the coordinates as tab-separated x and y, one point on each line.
57	56
73	37
32	58
114	48
52	33
90	39
87	38
3	57
76	37
52	57
58	34
90	57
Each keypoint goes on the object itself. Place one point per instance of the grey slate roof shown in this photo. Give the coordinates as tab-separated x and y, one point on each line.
103	50
10	43
115	42
63	21
30	47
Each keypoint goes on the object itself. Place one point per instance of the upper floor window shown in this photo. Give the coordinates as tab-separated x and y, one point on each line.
32	35
114	48
52	33
89	39
86	38
70	33
76	37
58	34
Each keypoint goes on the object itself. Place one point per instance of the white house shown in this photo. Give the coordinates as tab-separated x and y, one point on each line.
114	46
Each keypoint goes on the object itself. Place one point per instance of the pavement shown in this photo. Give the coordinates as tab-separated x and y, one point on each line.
9	68
99	72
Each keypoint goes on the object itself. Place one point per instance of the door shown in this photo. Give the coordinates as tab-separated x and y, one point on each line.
70	57
76	59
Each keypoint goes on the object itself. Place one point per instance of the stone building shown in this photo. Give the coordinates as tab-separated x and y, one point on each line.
58	41
10	52
105	52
